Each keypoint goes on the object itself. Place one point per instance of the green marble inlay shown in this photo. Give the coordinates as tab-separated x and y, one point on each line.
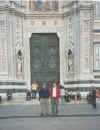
12	83
97	76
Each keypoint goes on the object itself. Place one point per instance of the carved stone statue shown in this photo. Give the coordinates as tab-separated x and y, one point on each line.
70	61
19	62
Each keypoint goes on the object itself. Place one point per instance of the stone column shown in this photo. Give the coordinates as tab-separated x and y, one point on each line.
3	46
85	43
27	73
11	45
62	42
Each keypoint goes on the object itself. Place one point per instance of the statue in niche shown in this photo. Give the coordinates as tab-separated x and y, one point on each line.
70	61
19	62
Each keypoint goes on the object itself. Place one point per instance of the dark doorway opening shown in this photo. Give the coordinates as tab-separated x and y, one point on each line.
44	58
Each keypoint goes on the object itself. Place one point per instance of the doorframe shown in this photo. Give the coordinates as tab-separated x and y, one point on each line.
30	51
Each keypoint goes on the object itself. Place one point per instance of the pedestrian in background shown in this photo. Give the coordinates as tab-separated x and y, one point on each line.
94	96
44	100
62	94
78	95
54	95
34	89
9	95
28	94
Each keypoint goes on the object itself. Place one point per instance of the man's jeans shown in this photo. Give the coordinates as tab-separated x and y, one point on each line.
62	99
33	93
54	106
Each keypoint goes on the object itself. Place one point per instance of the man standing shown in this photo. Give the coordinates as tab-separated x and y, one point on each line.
44	96
54	95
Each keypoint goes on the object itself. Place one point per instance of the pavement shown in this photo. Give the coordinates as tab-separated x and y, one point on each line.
63	123
71	117
18	107
33	111
19	114
21	99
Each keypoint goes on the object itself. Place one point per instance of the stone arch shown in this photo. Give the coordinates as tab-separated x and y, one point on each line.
60	34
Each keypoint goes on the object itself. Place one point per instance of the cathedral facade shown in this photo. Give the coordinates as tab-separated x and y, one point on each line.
47	40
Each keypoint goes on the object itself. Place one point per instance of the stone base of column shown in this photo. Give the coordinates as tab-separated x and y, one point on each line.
82	81
13	85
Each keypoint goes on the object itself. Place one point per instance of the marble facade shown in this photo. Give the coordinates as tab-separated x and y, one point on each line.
79	42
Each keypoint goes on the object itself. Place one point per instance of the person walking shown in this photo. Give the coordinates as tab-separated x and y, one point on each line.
62	93
93	96
44	100
54	95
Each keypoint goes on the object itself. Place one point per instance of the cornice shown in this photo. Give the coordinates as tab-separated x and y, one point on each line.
72	10
41	15
16	11
87	5
77	6
4	6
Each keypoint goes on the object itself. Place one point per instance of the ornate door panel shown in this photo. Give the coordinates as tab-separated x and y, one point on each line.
45	60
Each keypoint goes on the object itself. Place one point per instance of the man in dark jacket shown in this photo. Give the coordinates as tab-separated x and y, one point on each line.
44	96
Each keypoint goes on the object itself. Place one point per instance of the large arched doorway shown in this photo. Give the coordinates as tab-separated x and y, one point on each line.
45	59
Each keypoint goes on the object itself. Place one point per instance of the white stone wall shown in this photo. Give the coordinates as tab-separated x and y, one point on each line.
76	35
3	46
85	37
82	28
73	43
9	13
44	25
15	44
19	46
96	49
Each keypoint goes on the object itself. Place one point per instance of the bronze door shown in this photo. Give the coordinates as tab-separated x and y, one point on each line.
45	59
